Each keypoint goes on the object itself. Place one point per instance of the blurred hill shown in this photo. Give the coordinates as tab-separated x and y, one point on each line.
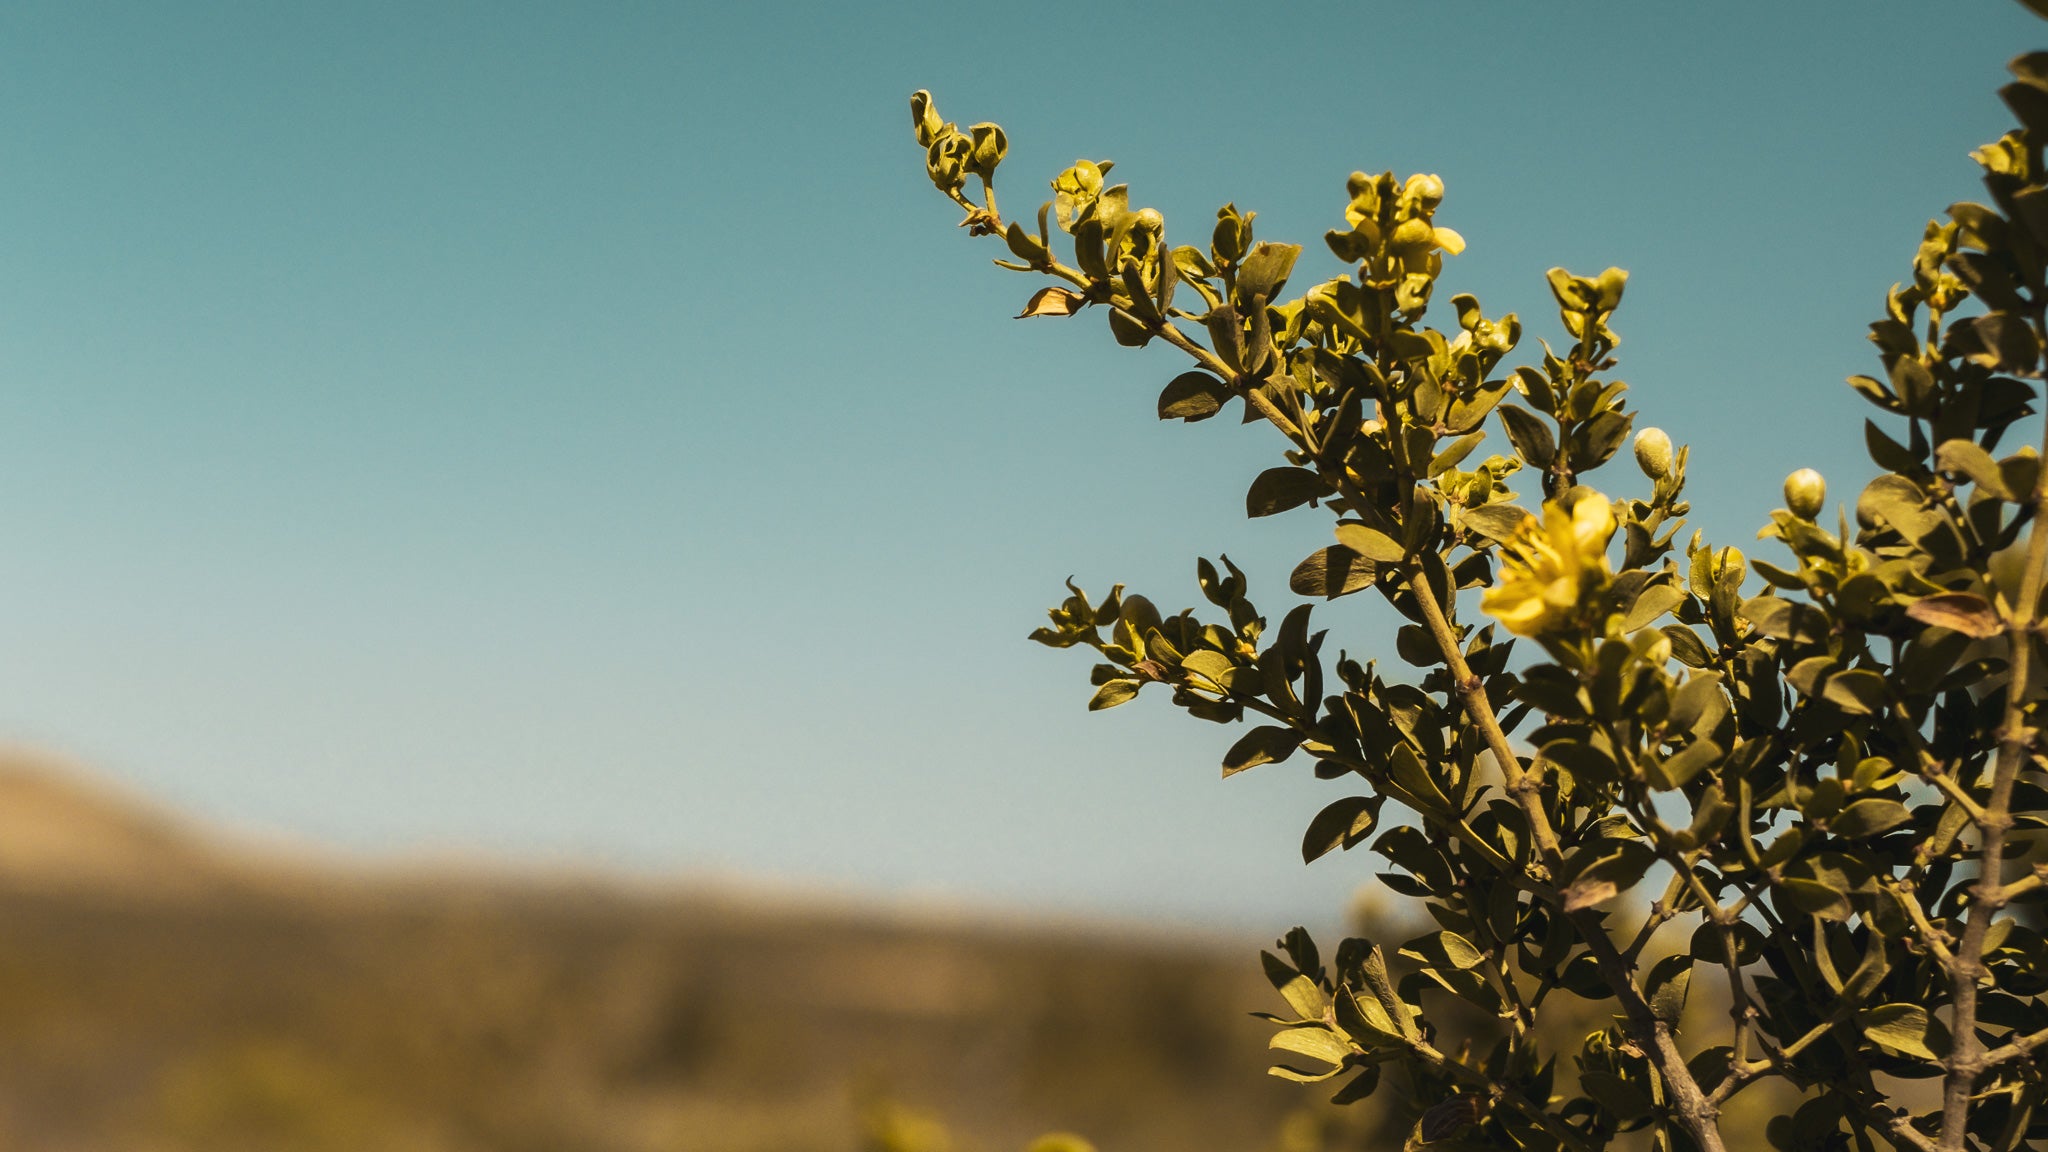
163	989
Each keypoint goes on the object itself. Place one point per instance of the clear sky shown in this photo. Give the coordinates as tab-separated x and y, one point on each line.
579	430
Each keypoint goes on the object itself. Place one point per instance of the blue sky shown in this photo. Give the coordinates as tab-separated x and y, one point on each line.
578	431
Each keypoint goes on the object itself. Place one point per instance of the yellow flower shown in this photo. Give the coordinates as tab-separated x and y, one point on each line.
1553	566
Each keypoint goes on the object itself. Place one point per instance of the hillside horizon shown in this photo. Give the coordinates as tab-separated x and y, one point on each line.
169	986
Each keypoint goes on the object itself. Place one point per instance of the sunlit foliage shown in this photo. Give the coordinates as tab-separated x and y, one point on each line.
1823	767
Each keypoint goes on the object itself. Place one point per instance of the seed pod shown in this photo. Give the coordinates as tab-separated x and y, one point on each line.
1805	493
1653	453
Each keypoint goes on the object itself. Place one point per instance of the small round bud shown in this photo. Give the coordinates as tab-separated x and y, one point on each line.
1653	453
1425	188
1805	493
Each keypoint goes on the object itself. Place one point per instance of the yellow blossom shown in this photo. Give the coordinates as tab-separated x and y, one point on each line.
1553	566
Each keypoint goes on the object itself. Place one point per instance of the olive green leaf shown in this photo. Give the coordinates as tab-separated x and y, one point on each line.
1530	436
1370	543
1344	823
1113	693
1265	744
1666	986
1901	1027
1314	1041
1192	396
1652	602
1499	523
1872	816
1615	870
1332	572
1277	490
1265	270
1967	458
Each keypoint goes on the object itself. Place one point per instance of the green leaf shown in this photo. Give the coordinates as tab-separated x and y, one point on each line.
1595	442
1810	674
1497	522
1678	770
2022	472
1212	666
1698	706
1871	970
1332	572
1280	489
1265	744
1530	436
1345	823
1707	946
1900	1027
1265	270
1667	985
1314	1041
1370	543
1365	1018
1579	757
1460	951
1192	396
1454	452
1996	340
1618	1096
1888	453
1302	993
1871	816
1300	1077
1858	691
1653	602
1113	693
1687	647
1130	331
1305	997
1581	977
1968	458
1609	875
1408	773
1816	898
1785	619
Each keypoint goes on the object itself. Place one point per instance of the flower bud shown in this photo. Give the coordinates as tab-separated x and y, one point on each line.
1233	234
1423	188
1805	493
1083	179
924	118
1607	289
1653	453
946	161
990	146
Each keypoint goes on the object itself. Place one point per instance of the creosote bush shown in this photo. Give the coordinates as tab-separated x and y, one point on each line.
1825	764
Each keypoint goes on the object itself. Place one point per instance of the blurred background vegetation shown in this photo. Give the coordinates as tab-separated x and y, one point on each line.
164	989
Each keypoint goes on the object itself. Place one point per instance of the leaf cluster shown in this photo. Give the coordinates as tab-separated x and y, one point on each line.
1820	771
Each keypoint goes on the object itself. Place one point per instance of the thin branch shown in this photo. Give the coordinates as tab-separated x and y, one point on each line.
1697	1112
1966	1060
